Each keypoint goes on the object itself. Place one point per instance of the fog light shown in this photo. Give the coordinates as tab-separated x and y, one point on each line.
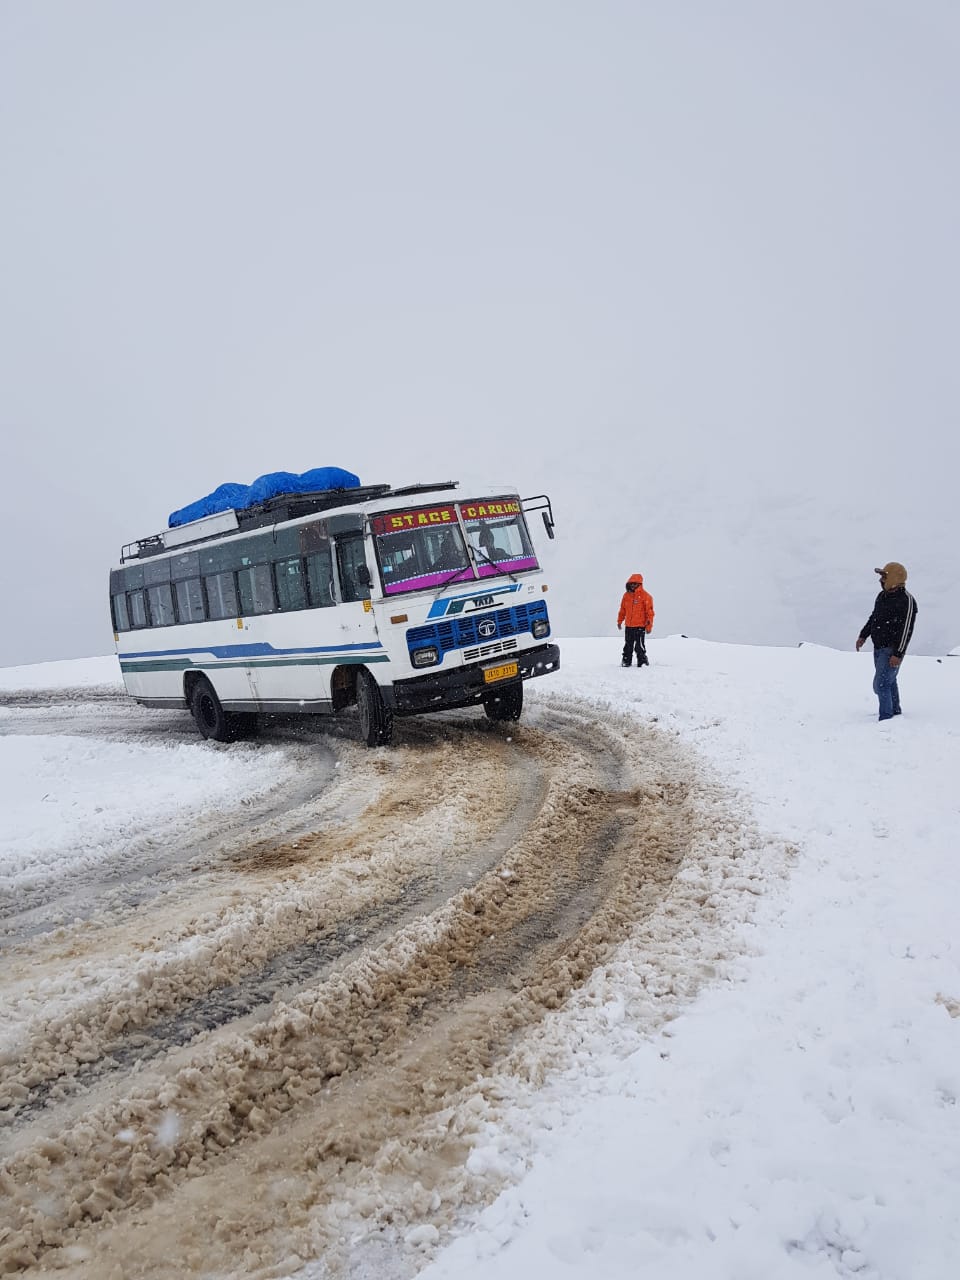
540	628
428	657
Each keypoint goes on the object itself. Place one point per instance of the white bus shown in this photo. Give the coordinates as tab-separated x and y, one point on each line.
398	601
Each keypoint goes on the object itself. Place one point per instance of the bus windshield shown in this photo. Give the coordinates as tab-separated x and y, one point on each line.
424	547
498	535
420	548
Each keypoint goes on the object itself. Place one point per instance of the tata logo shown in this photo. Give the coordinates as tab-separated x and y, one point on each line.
487	628
470	604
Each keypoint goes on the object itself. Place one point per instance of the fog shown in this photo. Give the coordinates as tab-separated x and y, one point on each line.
691	269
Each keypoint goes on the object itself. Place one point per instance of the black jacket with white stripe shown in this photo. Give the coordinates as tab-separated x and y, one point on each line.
890	626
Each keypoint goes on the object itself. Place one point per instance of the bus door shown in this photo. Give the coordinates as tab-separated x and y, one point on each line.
357	624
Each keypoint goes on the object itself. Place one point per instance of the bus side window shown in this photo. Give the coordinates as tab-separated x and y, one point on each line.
118	601
291	584
221	592
189	595
350	560
255	585
320	579
121	621
138	610
160	600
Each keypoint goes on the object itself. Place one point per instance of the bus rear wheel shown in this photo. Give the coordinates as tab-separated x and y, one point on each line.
376	718
211	719
506	704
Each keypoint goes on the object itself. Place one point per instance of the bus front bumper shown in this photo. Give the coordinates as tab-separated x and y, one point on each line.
465	686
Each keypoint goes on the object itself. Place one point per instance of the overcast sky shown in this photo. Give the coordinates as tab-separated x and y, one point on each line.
691	268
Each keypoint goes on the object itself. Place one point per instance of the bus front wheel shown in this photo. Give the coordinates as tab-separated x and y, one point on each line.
376	718
211	719
507	704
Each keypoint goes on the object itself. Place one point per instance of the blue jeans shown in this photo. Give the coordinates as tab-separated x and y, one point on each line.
885	684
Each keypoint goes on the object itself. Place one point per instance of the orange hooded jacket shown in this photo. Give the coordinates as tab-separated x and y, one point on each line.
636	607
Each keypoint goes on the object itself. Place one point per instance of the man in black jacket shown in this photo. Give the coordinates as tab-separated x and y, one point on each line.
890	627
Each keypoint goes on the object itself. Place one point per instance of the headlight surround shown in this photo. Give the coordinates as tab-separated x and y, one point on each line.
426	657
540	628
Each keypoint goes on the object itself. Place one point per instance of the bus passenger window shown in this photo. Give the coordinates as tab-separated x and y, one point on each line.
121	621
190	600
137	609
320	579
291	584
255	584
221	595
160	600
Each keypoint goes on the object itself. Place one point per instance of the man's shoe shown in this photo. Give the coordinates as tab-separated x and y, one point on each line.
624	664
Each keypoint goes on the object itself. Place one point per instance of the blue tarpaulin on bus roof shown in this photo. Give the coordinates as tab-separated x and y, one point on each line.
237	497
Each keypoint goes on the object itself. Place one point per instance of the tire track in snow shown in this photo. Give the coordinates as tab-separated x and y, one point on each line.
306	909
150	863
336	1085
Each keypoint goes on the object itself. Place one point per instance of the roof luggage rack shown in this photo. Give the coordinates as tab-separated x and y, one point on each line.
151	546
289	506
285	506
410	489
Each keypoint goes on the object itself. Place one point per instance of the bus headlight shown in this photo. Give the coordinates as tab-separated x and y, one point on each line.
540	628
427	657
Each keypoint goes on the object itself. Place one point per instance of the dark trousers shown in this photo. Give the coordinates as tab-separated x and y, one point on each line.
635	638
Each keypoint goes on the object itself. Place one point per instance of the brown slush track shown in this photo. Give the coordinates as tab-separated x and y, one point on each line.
284	1053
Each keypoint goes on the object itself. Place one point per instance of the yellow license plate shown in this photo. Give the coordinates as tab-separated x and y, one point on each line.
503	672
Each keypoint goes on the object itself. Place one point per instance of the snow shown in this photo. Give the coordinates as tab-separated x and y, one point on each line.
802	1120
796	1118
77	673
80	799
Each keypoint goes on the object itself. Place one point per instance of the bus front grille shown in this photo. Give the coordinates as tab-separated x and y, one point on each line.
466	634
488	650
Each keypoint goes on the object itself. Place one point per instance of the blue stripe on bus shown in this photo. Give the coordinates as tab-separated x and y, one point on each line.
258	650
146	666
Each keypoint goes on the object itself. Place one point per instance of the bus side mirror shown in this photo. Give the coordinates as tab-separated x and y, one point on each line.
363	574
542	504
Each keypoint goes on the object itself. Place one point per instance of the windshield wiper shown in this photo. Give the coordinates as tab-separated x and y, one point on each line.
475	551
493	564
452	577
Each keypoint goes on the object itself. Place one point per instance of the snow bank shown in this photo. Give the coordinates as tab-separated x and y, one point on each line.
72	673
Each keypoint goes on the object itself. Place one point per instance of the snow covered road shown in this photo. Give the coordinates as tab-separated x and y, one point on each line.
663	981
292	960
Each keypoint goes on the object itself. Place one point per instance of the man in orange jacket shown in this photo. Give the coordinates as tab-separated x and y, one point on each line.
636	610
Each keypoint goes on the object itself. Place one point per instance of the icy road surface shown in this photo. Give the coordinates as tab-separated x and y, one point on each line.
264	1029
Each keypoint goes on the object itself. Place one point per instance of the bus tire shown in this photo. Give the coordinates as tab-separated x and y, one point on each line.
506	704
211	719
376	718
